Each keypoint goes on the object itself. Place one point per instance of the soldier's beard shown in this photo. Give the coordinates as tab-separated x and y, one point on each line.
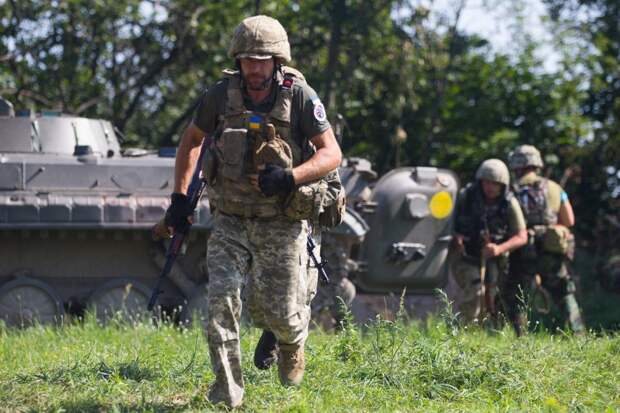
257	82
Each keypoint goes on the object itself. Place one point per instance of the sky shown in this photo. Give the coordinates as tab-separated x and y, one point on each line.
491	19
494	20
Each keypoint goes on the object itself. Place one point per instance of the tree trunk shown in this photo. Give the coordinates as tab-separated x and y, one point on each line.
338	16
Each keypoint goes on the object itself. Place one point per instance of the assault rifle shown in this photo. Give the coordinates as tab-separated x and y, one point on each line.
488	298
320	266
193	193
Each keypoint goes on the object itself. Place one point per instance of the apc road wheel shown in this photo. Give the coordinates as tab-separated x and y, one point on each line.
124	298
25	301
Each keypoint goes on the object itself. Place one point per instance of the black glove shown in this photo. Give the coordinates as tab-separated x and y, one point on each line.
177	213
275	180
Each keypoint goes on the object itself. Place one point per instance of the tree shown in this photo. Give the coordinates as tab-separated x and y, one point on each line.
593	26
139	63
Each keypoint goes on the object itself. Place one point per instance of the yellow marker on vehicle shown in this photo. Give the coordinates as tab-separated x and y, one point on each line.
441	205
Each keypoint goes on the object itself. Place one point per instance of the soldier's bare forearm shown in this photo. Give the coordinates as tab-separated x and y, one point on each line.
316	167
566	216
327	158
514	242
187	156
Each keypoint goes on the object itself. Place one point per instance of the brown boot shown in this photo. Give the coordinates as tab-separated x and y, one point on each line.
291	364
520	325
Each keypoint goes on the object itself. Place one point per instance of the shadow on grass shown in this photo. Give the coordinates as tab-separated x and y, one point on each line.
126	370
95	406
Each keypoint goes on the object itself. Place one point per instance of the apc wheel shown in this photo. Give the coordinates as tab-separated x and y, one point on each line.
196	305
123	298
25	301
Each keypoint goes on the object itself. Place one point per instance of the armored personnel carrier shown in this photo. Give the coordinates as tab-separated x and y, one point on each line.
76	213
395	237
75	219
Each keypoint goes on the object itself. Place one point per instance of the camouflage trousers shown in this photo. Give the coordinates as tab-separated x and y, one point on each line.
556	280
267	259
467	274
340	287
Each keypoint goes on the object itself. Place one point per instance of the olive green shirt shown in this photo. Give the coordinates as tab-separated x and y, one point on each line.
516	220
308	118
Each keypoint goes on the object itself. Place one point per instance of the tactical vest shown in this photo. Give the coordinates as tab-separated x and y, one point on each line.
477	218
533	200
230	190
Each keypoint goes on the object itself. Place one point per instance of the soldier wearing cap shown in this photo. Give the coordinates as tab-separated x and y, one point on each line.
550	246
489	224
271	145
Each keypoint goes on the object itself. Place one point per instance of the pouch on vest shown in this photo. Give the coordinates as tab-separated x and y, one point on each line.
209	166
558	239
306	201
334	201
271	148
529	250
231	149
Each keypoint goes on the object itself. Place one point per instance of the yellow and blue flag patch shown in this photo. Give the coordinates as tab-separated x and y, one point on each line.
255	122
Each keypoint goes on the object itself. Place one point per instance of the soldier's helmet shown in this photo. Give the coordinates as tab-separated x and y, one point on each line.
524	156
260	37
494	170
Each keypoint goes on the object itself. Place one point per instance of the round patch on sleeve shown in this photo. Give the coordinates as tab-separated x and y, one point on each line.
319	112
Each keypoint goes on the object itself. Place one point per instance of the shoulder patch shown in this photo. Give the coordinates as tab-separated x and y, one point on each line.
293	72
287	83
319	110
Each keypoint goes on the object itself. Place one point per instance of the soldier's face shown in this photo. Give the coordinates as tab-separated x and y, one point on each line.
257	72
492	190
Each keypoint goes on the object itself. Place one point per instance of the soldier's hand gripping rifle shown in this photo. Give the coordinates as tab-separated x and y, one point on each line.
320	266
193	194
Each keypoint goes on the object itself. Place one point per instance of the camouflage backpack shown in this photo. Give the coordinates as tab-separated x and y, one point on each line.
533	201
541	221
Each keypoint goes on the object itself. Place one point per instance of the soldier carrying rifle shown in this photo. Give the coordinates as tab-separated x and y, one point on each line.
268	172
489	224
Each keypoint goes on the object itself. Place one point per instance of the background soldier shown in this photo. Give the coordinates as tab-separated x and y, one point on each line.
271	145
334	299
489	224
549	216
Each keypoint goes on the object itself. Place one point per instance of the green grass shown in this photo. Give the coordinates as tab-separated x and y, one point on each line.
385	367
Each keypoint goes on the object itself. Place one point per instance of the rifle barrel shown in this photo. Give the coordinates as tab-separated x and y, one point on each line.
320	266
